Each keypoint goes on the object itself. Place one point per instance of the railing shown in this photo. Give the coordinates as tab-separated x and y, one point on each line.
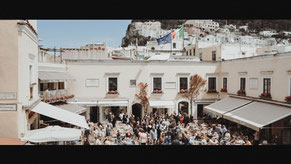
56	95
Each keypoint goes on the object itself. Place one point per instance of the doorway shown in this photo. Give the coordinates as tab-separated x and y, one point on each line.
200	111
137	110
94	114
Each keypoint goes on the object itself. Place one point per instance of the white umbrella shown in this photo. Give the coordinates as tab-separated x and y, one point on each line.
52	134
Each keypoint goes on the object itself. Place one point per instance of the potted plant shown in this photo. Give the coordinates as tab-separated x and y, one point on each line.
223	90
288	99
266	96
112	92
157	91
183	90
241	92
212	91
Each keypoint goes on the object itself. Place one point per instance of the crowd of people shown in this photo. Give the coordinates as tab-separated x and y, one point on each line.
160	129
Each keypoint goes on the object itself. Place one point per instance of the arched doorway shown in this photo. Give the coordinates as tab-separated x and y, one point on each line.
183	107
137	110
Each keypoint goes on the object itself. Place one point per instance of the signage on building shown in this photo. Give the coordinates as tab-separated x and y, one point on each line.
7	95
170	85
8	107
92	82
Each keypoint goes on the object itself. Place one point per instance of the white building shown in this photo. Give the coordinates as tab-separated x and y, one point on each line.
19	65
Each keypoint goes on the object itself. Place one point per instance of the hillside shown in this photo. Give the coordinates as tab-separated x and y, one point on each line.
257	25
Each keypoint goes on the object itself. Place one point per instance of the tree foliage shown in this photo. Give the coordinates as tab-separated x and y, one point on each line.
142	96
196	84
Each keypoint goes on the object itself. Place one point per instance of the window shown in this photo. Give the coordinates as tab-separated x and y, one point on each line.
61	85
193	52
224	82
242	83
112	84
213	55
211	83
174	45
183	83
30	74
266	85
132	82
51	86
190	53
186	53
157	83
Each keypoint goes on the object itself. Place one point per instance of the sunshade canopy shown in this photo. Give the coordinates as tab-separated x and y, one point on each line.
256	115
225	105
52	134
161	104
46	76
72	108
60	114
100	102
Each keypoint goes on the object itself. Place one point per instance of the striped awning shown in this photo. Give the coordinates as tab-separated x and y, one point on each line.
46	76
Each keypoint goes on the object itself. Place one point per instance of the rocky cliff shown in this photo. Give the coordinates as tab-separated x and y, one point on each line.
257	25
131	34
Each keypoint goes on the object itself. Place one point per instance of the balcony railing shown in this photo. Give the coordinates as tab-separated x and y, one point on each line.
56	95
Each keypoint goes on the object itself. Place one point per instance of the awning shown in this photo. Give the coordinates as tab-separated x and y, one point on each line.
100	102
11	141
225	105
112	102
161	104
256	115
52	134
45	76
60	114
72	108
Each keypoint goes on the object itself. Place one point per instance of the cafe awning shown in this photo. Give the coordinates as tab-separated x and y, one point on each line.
73	108
46	76
161	104
100	102
60	114
256	115
52	134
225	105
112	102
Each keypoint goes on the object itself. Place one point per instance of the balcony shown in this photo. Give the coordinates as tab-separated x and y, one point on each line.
53	96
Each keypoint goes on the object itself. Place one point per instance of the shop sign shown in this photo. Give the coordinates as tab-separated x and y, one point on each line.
7	95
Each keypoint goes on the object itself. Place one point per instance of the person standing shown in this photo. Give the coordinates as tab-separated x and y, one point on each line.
257	138
114	122
154	135
143	138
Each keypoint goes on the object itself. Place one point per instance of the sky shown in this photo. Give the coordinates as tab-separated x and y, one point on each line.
76	33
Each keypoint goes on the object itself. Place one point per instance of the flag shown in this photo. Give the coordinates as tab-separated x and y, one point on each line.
165	39
181	32
173	34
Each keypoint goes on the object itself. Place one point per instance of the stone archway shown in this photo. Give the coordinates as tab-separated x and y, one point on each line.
137	110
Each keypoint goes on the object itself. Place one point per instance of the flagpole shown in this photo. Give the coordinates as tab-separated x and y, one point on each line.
183	38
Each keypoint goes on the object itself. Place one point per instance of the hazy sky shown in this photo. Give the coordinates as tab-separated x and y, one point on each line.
76	33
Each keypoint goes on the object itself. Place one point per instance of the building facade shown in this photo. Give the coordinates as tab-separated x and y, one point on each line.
19	69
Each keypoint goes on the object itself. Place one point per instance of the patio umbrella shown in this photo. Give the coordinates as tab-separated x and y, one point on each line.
52	134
